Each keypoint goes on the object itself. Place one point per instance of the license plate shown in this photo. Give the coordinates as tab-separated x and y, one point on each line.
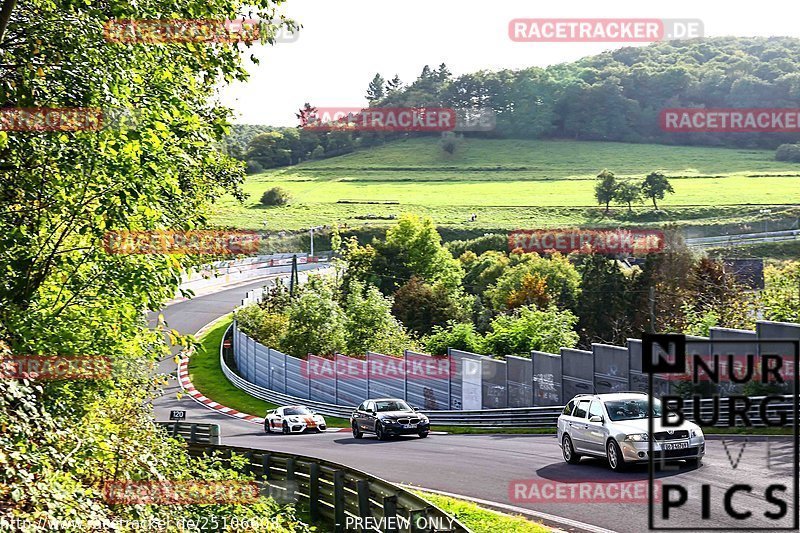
676	445
409	426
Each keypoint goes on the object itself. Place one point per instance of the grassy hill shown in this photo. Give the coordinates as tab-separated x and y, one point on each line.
519	183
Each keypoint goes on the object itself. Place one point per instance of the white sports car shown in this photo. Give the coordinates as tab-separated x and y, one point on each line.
293	419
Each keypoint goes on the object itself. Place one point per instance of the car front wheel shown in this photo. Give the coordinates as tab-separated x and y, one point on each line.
379	431
569	451
423	434
356	432
614	456
285	428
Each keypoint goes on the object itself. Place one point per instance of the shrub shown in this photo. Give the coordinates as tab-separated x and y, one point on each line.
458	336
531	329
318	152
370	325
316	323
263	326
788	152
275	196
253	167
490	241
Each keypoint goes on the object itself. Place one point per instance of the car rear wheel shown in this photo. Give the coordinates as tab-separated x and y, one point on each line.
569	451
266	427
614	456
356	432
285	428
379	431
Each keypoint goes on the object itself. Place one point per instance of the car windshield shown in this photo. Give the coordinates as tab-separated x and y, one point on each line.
631	409
289	411
392	405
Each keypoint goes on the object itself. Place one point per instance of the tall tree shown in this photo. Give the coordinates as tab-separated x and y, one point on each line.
628	192
655	186
442	73
606	188
393	85
375	89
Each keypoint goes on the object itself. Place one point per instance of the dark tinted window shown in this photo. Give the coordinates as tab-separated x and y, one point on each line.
583	407
568	409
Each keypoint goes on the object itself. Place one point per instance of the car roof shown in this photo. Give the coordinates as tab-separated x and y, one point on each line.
384	400
610	396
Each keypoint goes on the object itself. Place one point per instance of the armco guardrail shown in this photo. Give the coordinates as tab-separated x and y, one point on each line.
338	494
193	433
744	238
249	268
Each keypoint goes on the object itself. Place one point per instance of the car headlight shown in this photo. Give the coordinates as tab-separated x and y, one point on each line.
696	432
637	437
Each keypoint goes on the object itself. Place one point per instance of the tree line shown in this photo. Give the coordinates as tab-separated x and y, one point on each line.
613	96
627	192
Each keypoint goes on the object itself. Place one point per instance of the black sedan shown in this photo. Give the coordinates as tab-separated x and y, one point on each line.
386	417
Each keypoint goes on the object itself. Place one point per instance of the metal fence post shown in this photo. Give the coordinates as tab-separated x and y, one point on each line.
313	490
265	466
390	512
338	500
363	498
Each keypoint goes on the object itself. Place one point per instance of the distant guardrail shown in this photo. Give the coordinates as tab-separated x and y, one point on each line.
193	433
249	268
337	494
744	238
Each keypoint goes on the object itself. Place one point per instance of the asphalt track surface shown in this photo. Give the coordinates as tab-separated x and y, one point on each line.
487	466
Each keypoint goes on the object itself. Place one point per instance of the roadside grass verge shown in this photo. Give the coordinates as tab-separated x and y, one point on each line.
207	377
481	520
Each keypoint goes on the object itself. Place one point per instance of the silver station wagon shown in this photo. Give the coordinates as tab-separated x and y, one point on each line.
615	427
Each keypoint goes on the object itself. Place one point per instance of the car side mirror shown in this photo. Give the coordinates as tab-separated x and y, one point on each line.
415	408
596	418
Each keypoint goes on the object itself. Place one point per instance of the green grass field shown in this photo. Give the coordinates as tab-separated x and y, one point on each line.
514	183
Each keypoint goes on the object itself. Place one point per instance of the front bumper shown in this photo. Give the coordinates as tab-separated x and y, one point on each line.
398	429
638	452
300	427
